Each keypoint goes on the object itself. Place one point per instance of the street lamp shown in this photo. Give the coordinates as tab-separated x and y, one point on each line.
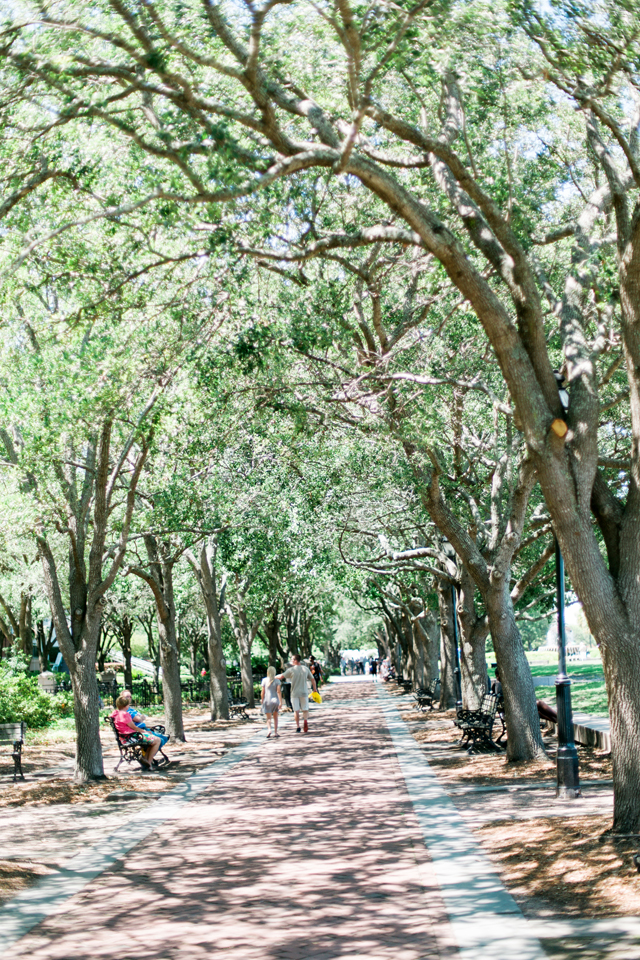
450	554
568	778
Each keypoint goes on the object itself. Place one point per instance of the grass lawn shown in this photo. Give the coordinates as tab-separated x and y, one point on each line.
585	697
582	668
62	730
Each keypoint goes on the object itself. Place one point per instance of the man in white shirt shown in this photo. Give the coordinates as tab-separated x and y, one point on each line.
299	675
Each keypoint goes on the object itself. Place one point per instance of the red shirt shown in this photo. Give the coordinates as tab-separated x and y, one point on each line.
124	724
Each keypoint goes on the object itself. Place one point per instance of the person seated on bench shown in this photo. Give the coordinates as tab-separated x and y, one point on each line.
546	711
139	719
126	728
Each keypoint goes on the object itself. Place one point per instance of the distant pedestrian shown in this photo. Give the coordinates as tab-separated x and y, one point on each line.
299	675
374	669
271	697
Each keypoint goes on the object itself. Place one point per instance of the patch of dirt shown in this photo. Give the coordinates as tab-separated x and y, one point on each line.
64	790
565	867
15	875
206	741
552	866
437	733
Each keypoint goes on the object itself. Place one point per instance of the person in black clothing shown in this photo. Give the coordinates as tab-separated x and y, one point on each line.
316	670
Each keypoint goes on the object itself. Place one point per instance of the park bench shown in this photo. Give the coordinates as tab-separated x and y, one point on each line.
132	747
404	683
427	696
14	733
238	709
477	725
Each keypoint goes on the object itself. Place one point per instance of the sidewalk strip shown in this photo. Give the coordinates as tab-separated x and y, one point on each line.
46	897
486	920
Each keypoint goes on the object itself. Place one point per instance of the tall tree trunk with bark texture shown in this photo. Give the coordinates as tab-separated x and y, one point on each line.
159	578
79	636
473	634
448	693
204	568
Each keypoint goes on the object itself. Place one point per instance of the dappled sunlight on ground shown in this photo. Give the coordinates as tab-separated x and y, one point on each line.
566	867
307	849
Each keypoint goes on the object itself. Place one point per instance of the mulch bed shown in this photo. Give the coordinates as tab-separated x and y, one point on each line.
15	875
552	866
565	867
439	736
60	788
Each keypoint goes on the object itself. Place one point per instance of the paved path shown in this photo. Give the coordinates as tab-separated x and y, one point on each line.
303	848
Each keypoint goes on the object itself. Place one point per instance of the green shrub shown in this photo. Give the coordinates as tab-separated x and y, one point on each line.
22	699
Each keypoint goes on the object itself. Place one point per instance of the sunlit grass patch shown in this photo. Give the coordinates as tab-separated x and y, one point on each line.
586	697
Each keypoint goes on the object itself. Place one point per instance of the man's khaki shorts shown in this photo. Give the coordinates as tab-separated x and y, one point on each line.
300	703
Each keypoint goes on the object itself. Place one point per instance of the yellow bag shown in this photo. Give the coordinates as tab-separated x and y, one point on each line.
316	697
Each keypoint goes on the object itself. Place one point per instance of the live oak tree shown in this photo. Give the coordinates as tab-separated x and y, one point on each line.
222	105
433	396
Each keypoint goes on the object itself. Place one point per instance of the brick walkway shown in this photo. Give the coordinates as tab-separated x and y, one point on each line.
307	849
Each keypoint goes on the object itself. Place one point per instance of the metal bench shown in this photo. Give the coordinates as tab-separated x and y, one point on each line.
425	697
132	747
14	733
477	725
238	709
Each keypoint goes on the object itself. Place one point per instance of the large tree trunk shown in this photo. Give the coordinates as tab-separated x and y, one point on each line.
45	644
448	693
612	609
418	656
473	634
493	581
245	634
291	619
205	570
125	634
246	671
79	646
271	630
26	624
86	709
160	580
431	630
524	740
78	640
622	677
170	663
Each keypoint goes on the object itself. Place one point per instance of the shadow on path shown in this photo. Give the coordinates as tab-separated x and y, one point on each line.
307	849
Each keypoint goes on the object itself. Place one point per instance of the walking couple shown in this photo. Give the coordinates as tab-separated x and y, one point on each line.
298	674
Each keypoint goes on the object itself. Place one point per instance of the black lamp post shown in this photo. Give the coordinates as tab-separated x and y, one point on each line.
568	778
450	554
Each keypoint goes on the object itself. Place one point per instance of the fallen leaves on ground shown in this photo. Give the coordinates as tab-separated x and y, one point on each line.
565	866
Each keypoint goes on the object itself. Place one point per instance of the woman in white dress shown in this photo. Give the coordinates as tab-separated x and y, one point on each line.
271	699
